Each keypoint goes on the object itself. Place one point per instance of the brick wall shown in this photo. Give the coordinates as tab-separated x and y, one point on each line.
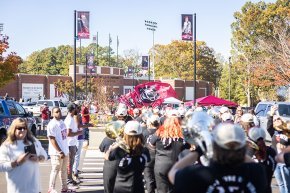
115	82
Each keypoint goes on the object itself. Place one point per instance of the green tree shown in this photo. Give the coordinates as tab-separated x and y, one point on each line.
8	64
261	44
175	60
56	61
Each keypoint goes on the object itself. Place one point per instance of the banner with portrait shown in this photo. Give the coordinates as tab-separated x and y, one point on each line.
186	27
130	71
83	29
90	61
145	62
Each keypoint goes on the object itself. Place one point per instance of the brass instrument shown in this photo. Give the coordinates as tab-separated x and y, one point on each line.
115	130
252	144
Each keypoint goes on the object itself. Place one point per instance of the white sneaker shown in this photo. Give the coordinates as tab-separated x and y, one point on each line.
52	191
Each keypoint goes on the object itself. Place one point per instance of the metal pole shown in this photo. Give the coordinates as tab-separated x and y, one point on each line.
149	69
194	58
229	78
80	51
75	66
109	50
133	76
153	60
86	76
117	50
97	48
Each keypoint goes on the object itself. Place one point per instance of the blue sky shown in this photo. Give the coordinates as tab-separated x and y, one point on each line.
34	24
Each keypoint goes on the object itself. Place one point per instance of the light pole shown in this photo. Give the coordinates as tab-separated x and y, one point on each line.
229	78
1	27
3	37
152	26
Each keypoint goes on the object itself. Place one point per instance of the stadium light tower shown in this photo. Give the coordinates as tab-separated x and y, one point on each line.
152	26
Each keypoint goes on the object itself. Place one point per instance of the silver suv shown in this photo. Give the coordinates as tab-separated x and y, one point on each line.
263	108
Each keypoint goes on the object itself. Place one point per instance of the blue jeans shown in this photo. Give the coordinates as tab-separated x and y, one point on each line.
282	175
86	134
78	156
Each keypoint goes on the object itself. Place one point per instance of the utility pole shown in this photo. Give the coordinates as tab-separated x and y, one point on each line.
75	66
194	59
229	78
152	26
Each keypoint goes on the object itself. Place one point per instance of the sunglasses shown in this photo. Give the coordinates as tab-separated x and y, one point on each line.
56	111
21	128
277	119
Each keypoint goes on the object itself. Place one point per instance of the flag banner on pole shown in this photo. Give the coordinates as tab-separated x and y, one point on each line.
94	38
145	62
117	41
93	70
130	71
186	27
110	39
90	61
83	25
150	93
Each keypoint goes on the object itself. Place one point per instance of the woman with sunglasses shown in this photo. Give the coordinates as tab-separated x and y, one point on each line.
24	152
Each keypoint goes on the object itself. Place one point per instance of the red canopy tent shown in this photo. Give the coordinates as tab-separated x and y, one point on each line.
212	100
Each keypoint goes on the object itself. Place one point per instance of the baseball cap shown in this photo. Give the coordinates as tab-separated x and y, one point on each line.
71	106
247	118
256	133
224	109
182	112
173	113
198	109
227	116
152	119
226	133
45	103
132	128
78	103
121	112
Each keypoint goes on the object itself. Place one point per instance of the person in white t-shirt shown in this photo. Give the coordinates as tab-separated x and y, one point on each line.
58	151
72	133
19	156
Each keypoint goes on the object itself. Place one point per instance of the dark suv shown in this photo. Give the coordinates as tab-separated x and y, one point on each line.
10	110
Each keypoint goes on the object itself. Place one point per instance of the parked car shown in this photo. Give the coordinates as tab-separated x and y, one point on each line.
263	108
36	110
10	110
27	105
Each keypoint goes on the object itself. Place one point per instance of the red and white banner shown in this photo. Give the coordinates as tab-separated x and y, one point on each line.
83	25
150	93
186	27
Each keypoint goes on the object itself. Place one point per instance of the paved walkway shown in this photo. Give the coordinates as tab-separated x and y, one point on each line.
92	166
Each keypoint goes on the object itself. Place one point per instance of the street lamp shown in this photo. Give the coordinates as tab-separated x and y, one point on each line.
1	27
152	26
3	37
229	78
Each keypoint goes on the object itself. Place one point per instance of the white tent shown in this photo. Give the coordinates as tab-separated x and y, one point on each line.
172	100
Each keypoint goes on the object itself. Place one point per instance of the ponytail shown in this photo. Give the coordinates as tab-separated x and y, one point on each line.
261	154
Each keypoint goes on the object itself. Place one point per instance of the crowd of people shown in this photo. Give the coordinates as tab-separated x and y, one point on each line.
165	150
21	151
194	150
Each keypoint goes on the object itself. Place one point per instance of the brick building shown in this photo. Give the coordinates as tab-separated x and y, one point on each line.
31	86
